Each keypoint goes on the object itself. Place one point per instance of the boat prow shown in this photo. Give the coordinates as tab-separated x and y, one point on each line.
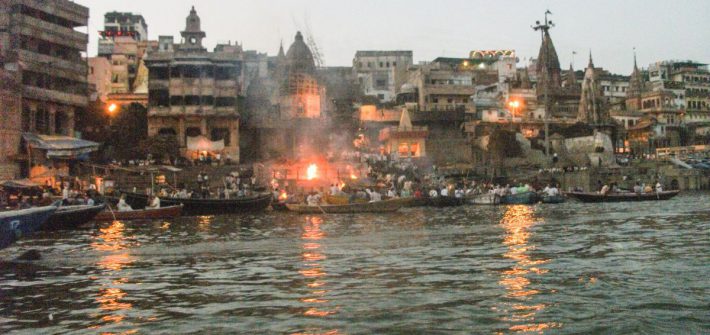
18	223
622	197
141	214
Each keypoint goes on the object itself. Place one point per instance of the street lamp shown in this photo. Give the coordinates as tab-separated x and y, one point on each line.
111	110
513	106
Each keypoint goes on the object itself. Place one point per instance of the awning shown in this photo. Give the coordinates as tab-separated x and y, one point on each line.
201	143
60	146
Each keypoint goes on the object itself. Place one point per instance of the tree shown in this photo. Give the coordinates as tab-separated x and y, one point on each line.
161	146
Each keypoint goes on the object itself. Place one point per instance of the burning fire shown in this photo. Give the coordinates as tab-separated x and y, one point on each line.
283	196
353	176
312	172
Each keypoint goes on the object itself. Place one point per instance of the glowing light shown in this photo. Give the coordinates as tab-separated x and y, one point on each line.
312	172
283	196
353	176
112	108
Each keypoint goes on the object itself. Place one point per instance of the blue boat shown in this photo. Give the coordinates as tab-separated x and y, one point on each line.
527	198
18	223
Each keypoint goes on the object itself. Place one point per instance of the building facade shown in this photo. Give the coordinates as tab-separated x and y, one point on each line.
381	73
193	93
42	51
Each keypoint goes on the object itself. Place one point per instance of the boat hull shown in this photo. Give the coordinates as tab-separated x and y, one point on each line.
527	198
15	224
206	206
553	199
70	217
485	199
622	197
141	214
370	207
444	202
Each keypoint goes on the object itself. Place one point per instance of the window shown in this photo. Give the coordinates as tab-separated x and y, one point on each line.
388	64
449	100
435	100
381	64
381	96
91	70
221	134
225	101
192	100
369	65
159	98
394	64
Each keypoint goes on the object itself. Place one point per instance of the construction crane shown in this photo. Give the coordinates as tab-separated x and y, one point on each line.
311	42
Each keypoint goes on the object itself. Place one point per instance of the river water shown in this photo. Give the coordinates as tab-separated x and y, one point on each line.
570	268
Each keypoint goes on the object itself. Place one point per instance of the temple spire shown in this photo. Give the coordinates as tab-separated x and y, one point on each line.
591	62
571	79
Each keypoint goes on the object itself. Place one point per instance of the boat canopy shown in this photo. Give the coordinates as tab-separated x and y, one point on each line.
60	146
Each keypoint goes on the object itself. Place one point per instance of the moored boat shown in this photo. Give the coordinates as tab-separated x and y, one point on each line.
370	207
622	196
141	214
68	217
18	223
553	199
526	198
342	199
192	206
484	199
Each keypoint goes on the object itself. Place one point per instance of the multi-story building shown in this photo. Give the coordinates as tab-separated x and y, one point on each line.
193	93
124	42
381	73
42	50
447	84
100	78
690	83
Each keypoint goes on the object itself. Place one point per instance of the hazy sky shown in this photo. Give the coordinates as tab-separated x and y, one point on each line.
659	29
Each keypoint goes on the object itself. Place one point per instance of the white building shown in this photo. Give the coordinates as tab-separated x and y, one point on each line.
381	73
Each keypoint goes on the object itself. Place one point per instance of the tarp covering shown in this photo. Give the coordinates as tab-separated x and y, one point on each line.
19	184
60	146
201	143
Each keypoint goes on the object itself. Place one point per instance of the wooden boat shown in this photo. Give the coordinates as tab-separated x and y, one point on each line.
444	202
69	217
527	198
17	223
191	206
342	200
370	207
621	197
553	199
141	214
484	199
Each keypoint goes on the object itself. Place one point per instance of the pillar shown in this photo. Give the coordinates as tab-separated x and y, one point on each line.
181	131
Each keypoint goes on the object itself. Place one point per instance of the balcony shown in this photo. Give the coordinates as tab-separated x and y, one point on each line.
41	94
65	9
49	32
74	70
441	89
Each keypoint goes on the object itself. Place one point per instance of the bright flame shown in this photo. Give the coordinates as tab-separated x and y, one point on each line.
353	176
112	108
312	172
283	196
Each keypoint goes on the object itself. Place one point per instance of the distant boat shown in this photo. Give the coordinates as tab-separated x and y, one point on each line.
622	197
141	214
526	198
18	223
193	206
553	199
70	217
369	207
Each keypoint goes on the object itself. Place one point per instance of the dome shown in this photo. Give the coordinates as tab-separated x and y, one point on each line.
408	88
299	57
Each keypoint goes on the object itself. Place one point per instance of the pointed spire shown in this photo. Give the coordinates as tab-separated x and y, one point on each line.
636	82
405	122
525	79
281	53
591	62
571	79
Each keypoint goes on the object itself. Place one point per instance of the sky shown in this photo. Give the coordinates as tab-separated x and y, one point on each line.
610	29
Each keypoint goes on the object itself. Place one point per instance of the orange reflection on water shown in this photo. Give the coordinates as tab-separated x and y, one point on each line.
110	238
204	222
111	298
313	270
517	222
